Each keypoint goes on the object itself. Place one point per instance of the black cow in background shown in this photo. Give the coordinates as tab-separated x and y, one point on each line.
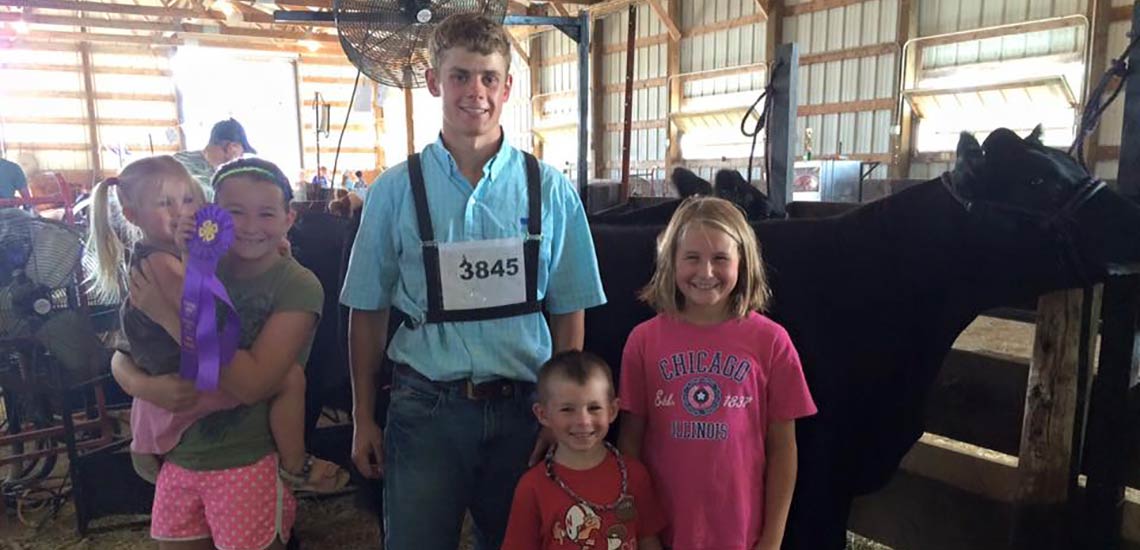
874	299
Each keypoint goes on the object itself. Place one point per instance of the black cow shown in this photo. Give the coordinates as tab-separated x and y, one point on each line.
874	298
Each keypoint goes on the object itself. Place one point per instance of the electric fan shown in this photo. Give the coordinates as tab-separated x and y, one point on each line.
40	291
388	39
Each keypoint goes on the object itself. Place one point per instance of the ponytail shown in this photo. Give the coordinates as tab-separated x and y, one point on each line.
105	246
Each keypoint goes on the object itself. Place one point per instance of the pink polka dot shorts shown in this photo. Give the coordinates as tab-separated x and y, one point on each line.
244	508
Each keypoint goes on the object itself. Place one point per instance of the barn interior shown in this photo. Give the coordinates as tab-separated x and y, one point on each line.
867	98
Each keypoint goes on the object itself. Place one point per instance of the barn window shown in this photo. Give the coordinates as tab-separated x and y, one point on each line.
1015	81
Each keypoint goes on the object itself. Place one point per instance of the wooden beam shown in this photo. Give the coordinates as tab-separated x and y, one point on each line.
319	4
535	89
641	43
820	5
902	137
80	121
666	18
327	80
627	101
101	7
725	25
89	90
519	49
597	110
775	29
673	153
1108	152
1120	13
343	150
100	96
884	104
409	121
560	10
95	151
761	8
873	50
1100	14
181	28
636	125
637	85
130	71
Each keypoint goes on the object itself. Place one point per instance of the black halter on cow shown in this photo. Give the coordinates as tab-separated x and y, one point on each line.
873	299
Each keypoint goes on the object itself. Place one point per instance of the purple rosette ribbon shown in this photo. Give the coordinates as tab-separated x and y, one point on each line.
204	349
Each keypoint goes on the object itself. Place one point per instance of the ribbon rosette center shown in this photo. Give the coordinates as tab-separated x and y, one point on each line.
208	231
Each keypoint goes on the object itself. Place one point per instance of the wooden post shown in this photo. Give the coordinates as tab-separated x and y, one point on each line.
627	116
903	141
535	90
409	121
378	127
92	117
672	69
775	29
1099	12
598	113
1040	519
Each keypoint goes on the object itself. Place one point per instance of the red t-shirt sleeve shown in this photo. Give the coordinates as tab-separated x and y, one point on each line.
524	528
631	389
788	394
650	518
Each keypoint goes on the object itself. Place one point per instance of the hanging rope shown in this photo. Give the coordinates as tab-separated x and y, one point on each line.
761	124
1090	118
343	128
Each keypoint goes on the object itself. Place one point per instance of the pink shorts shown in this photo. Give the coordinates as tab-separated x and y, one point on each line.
244	508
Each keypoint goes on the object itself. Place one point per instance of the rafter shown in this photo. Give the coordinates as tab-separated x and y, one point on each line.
674	31
181	28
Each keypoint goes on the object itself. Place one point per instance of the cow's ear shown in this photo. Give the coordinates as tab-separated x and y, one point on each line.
968	146
968	165
1035	136
689	184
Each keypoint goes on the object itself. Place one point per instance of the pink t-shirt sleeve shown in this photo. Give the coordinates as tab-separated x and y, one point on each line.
631	389
788	394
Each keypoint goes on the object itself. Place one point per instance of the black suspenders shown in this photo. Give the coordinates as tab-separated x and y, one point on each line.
436	313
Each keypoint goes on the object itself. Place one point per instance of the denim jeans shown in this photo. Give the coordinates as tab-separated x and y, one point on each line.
445	454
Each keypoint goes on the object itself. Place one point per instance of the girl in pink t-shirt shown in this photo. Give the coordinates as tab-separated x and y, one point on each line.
710	388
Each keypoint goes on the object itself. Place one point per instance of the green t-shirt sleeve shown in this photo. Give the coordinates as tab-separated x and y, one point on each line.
301	291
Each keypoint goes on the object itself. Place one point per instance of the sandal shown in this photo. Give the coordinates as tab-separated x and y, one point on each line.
316	476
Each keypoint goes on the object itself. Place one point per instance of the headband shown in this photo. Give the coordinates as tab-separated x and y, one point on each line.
249	170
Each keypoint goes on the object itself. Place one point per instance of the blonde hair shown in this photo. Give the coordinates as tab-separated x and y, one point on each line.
751	292
470	31
111	234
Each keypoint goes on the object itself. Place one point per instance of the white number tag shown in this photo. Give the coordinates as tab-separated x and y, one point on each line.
479	274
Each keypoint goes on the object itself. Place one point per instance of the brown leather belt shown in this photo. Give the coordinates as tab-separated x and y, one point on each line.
500	388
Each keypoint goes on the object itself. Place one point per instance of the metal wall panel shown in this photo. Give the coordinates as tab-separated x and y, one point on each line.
944	16
872	77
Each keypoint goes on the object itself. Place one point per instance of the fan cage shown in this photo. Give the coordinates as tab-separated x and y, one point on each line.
388	39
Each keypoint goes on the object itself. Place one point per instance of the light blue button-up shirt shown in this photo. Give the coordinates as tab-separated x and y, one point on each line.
386	268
